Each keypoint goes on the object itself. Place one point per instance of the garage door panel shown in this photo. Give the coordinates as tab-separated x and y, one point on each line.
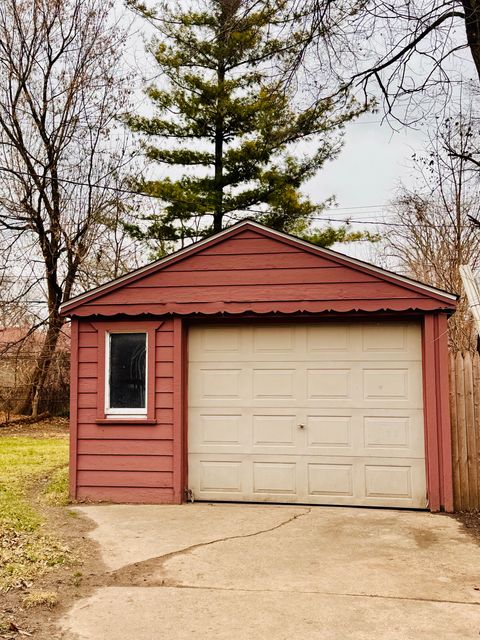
221	476
278	383
365	432
332	340
268	341
207	344
218	430
391	432
359	384
273	430
388	480
384	339
275	477
327	342
392	385
316	480
320	414
328	383
394	479
330	479
365	341
328	432
219	384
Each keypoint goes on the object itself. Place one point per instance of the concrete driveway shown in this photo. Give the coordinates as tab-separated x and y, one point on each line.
276	572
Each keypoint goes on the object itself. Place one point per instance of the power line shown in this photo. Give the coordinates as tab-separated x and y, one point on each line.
78	183
250	210
384	223
365	206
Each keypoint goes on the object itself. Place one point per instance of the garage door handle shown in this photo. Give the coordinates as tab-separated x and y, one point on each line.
301	426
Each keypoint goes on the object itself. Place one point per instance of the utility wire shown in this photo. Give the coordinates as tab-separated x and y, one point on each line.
179	201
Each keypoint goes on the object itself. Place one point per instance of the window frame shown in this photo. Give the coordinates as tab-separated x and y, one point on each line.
126	412
106	415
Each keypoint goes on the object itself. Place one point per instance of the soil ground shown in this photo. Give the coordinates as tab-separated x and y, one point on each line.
65	582
471	523
51	428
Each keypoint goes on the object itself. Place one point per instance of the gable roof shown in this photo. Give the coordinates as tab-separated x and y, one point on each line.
417	290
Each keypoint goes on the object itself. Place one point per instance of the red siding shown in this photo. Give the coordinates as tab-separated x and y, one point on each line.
437	414
123	462
254	272
141	495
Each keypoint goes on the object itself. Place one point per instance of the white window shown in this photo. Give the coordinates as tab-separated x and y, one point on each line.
126	374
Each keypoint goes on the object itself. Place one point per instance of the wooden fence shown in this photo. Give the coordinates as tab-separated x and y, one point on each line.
465	420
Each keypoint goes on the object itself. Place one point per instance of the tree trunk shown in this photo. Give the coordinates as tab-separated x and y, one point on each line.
30	404
219	127
220	122
472	28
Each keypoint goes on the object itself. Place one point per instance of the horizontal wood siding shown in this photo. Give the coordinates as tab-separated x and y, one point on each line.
98	462
253	273
302	291
140	495
124	462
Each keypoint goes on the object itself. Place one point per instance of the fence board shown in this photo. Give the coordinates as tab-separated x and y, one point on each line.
465	421
461	431
476	409
470	431
457	496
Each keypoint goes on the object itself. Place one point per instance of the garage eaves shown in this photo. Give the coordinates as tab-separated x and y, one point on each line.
442	296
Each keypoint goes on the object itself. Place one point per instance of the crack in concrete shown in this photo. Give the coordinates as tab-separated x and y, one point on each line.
379	596
136	574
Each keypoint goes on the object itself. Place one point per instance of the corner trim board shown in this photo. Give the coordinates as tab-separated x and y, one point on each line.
74	408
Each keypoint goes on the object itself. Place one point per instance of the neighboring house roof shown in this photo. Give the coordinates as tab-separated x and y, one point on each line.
18	336
12	335
155	289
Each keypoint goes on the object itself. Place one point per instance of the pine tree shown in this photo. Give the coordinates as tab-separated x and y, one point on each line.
226	124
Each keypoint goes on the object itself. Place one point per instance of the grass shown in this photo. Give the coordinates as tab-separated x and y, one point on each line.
32	474
56	490
40	599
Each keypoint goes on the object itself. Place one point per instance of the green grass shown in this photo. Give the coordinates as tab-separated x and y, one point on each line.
56	490
32	473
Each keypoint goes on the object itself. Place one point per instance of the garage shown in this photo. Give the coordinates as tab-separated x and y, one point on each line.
253	366
307	413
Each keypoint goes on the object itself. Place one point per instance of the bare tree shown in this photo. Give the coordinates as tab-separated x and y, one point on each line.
60	92
433	234
404	50
115	251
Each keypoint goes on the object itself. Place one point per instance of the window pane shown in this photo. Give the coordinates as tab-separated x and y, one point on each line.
127	370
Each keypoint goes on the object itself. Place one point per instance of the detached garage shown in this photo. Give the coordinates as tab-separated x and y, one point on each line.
255	367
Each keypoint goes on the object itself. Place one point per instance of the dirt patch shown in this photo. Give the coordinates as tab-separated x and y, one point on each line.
471	523
32	609
32	604
48	428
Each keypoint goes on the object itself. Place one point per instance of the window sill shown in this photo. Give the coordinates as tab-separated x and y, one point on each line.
120	420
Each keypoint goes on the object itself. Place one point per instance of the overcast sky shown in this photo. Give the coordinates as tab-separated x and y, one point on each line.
374	161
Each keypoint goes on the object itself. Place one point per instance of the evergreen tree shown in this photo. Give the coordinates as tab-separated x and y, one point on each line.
226	123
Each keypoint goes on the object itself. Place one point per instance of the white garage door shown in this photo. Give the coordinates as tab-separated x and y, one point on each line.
307	413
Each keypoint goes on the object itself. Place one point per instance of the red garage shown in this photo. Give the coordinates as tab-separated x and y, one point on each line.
256	367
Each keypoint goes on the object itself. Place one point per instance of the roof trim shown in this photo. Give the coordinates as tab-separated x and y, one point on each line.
92	294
